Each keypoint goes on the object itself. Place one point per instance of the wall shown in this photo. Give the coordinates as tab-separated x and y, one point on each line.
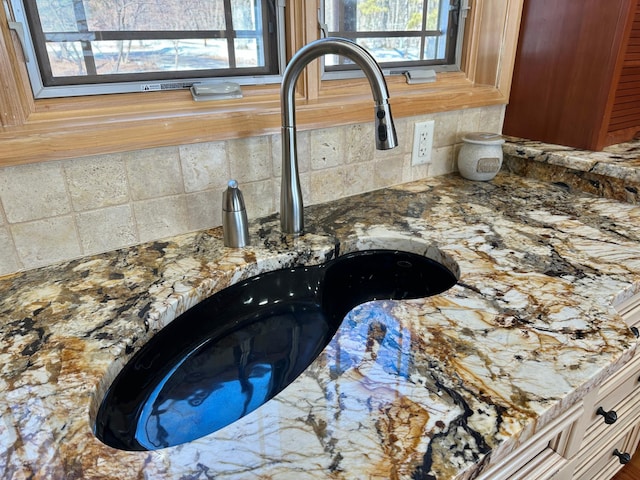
56	211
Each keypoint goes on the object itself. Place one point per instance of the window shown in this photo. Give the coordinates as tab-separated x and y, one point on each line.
81	47
108	46
59	128
400	34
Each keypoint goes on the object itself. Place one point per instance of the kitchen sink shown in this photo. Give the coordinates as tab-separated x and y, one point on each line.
237	349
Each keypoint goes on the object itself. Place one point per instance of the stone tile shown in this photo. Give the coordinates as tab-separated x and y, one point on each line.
204	166
411	173
388	171
469	121
420	171
492	118
8	259
327	147
32	192
446	129
442	161
204	209
304	155
154	173
161	217
404	132
359	178
250	159
43	242
406	168
360	143
326	185
97	182
258	198
106	229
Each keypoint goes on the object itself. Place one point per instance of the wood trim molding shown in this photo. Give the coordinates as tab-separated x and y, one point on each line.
55	129
16	101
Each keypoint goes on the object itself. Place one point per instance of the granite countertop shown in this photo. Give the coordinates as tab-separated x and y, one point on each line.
620	161
613	172
436	388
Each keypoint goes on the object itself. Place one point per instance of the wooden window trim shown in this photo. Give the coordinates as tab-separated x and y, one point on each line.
53	129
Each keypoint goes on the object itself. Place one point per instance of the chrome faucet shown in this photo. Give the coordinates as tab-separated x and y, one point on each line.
291	207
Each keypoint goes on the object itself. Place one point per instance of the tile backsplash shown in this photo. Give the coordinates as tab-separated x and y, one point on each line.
56	211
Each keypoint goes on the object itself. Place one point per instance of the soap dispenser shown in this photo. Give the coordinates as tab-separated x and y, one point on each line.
234	217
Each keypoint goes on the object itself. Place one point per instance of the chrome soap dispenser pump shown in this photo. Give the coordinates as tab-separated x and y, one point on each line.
235	227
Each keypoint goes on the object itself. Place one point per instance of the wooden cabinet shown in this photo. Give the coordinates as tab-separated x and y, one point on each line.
581	445
596	459
576	80
537	457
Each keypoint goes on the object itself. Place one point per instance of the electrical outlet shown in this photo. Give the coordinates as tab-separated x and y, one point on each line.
422	142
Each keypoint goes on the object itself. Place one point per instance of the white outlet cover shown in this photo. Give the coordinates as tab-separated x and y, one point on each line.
422	142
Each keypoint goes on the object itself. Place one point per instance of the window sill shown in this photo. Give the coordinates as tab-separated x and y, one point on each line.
67	128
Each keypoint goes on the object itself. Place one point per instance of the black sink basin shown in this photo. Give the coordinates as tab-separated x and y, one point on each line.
239	348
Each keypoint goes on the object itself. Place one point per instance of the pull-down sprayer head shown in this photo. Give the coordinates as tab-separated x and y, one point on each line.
291	207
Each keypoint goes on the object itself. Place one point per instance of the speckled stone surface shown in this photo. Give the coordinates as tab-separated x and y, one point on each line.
611	173
435	388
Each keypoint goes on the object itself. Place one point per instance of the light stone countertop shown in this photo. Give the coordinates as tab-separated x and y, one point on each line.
620	161
452	384
612	173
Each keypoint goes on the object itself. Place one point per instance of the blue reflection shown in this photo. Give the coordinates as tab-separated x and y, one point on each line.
166	420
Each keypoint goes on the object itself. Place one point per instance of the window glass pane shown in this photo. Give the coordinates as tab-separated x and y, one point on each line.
140	56
245	13
90	42
398	32
142	15
66	58
248	52
434	11
376	15
57	16
384	49
199	15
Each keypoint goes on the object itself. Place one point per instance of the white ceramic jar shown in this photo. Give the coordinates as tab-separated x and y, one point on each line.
480	156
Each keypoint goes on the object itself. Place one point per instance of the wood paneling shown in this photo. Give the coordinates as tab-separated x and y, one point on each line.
16	102
570	57
625	112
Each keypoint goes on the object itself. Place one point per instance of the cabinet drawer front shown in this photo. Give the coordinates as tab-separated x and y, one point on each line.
602	464
547	465
613	394
628	413
601	439
630	309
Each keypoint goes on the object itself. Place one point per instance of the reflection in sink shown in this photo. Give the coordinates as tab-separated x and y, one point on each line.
240	347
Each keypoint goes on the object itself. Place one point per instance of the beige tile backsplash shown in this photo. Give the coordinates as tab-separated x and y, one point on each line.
34	192
56	211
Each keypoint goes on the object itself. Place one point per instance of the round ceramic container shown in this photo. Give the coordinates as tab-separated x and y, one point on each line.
480	156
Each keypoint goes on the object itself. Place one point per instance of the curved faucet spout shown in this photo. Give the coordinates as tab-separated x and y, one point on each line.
291	206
